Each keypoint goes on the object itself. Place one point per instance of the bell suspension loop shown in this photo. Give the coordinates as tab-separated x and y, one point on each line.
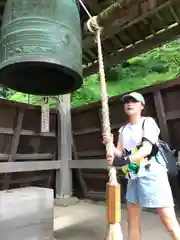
45	116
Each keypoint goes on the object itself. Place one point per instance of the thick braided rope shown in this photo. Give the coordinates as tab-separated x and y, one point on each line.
93	26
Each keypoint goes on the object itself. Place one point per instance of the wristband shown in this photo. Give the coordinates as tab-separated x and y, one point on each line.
121	161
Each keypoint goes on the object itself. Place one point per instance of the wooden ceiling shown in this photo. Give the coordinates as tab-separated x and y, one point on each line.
138	28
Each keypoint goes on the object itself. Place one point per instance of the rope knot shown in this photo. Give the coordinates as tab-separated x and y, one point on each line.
92	25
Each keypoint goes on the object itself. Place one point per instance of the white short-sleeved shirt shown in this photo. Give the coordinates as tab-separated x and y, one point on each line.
131	136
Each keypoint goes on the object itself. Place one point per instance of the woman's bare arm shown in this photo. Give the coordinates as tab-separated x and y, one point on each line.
119	149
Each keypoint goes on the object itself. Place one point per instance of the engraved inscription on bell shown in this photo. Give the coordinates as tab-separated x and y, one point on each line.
42	48
29	49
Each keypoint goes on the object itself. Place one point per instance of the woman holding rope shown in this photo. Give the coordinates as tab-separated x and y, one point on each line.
148	187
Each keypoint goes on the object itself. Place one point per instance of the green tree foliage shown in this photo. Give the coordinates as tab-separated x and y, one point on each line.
160	64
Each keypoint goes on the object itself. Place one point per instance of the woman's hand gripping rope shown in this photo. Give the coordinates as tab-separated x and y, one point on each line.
113	158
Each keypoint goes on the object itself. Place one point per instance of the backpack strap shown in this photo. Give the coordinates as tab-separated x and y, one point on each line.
155	147
123	128
143	124
124	149
143	132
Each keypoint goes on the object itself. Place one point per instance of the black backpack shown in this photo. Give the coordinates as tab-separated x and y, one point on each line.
167	155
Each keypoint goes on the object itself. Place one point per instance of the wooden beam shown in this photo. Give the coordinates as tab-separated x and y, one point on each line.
92	153
158	102
10	131
140	47
64	176
25	180
96	7
176	17
173	115
95	176
14	143
88	164
9	167
105	4
110	14
87	131
121	25
29	156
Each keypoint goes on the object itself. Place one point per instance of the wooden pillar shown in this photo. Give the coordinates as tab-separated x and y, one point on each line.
64	176
161	115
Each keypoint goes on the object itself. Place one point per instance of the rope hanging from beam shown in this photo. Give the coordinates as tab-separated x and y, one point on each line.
108	15
113	188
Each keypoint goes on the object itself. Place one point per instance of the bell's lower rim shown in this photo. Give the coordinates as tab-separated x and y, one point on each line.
23	84
39	59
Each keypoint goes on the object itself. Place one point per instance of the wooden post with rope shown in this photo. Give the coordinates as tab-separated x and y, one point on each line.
112	188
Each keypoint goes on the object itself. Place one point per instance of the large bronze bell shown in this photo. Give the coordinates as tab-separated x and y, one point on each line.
40	46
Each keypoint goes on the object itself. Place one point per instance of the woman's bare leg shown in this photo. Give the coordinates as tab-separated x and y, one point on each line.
134	214
168	217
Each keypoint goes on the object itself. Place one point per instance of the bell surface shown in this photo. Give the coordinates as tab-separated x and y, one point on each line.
41	47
